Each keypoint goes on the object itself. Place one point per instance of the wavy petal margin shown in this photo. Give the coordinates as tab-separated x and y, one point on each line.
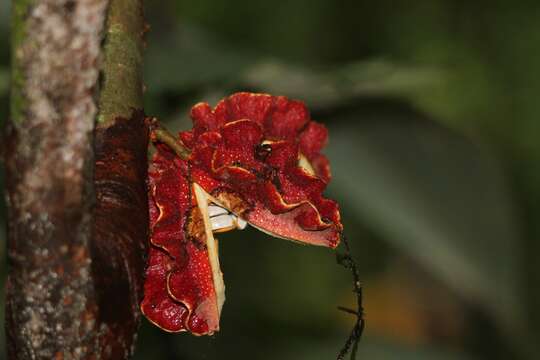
267	150
184	287
257	155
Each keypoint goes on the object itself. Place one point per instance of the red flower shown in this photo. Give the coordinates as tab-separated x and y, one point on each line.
256	155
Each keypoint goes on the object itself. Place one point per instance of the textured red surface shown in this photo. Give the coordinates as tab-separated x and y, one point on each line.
249	145
179	290
245	153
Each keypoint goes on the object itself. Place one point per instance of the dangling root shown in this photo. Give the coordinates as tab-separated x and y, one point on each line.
348	262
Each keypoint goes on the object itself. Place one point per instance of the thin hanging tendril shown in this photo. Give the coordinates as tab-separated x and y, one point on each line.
351	345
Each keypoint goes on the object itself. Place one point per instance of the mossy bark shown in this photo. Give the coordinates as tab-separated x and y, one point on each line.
76	167
122	87
18	33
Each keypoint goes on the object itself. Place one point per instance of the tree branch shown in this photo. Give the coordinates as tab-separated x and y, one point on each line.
75	245
121	211
51	308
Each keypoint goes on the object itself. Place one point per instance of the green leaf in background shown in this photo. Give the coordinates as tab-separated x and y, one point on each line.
212	65
188	58
376	78
439	198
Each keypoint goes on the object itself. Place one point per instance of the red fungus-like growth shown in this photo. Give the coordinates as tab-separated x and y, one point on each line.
180	291
264	152
256	155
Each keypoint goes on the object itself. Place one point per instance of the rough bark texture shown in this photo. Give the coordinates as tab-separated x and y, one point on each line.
75	255
50	303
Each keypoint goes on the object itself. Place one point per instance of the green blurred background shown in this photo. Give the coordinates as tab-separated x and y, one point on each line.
434	118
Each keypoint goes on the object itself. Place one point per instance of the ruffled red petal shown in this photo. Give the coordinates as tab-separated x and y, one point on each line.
321	165
254	154
169	192
242	134
283	155
157	305
313	139
262	163
285	226
287	119
255	107
179	289
204	118
187	138
199	299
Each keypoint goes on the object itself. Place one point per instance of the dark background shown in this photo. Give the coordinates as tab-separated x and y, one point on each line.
433	112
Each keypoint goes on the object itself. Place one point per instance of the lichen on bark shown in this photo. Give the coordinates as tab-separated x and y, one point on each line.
56	51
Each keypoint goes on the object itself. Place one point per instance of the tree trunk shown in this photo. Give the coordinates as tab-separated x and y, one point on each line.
76	168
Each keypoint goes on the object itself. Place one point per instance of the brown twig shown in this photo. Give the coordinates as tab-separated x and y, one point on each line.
158	133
